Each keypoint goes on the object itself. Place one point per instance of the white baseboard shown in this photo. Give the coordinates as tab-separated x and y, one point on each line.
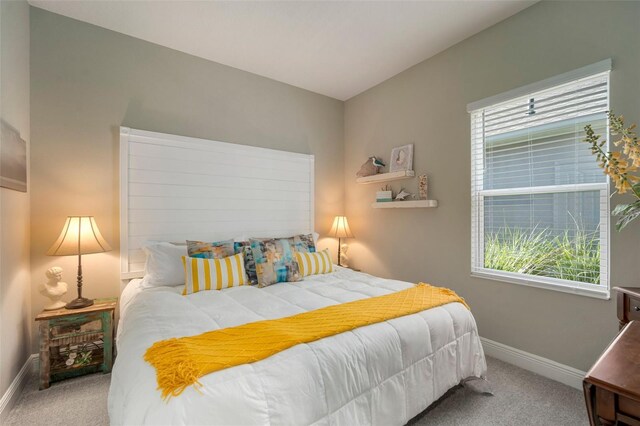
10	397
543	366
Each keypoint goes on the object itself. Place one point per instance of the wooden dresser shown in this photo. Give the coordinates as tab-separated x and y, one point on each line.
628	304
612	386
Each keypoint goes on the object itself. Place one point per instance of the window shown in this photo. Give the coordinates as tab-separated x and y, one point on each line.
540	203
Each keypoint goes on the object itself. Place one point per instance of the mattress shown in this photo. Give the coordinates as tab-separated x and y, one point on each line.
381	374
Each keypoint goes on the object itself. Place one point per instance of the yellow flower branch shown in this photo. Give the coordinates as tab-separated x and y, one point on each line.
615	165
621	166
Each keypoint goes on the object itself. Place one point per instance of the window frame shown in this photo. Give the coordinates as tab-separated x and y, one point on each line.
478	194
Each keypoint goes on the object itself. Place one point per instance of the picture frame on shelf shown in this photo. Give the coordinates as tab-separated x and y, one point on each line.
401	158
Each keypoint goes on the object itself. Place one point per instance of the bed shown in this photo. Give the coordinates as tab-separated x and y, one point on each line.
381	374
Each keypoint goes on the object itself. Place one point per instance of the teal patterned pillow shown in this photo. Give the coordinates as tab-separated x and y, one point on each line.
275	261
222	249
215	250
303	243
249	262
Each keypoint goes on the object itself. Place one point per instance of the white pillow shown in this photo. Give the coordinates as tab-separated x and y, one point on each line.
164	264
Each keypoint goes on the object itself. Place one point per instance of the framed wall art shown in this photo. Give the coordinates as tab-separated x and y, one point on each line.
401	158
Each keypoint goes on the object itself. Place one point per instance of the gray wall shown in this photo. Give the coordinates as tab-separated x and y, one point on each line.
15	294
426	105
86	81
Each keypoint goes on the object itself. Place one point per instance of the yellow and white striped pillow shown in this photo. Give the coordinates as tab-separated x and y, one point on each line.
314	263
213	274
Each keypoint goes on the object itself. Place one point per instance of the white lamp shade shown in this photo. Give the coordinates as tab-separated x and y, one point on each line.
340	228
80	235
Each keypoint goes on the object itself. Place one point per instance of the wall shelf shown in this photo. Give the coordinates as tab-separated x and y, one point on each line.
405	204
386	177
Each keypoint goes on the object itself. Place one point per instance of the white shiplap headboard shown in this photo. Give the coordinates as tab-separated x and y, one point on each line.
174	188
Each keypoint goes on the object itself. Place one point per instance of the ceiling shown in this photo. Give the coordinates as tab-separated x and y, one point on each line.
335	48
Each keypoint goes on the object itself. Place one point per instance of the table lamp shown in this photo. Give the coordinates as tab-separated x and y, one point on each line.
339	230
80	235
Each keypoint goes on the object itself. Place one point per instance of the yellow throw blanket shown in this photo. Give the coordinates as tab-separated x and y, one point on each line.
181	362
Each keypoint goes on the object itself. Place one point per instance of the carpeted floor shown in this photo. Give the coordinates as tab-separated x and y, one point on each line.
80	401
521	398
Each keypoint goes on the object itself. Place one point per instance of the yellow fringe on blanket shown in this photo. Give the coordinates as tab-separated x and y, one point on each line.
181	362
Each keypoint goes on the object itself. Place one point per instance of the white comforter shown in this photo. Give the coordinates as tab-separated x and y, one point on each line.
382	374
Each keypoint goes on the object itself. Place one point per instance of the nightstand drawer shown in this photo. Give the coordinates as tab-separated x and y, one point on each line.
628	306
633	308
68	327
629	407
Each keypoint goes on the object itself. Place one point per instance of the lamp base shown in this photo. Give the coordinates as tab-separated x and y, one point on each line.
80	302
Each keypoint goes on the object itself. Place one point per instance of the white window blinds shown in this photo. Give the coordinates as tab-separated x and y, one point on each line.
539	200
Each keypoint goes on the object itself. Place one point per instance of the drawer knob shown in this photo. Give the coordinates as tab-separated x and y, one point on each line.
636	308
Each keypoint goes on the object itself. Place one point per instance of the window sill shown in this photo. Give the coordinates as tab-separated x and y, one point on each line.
545	283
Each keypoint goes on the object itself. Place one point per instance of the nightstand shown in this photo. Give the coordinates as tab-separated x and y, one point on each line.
74	342
612	386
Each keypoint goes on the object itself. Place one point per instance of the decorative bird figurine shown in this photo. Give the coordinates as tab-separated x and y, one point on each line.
370	167
403	195
377	162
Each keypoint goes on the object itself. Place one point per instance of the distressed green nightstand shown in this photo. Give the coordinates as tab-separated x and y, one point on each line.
74	342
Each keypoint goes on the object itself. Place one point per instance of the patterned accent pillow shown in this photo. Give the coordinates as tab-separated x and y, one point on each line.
303	243
275	261
244	247
314	263
215	250
213	274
